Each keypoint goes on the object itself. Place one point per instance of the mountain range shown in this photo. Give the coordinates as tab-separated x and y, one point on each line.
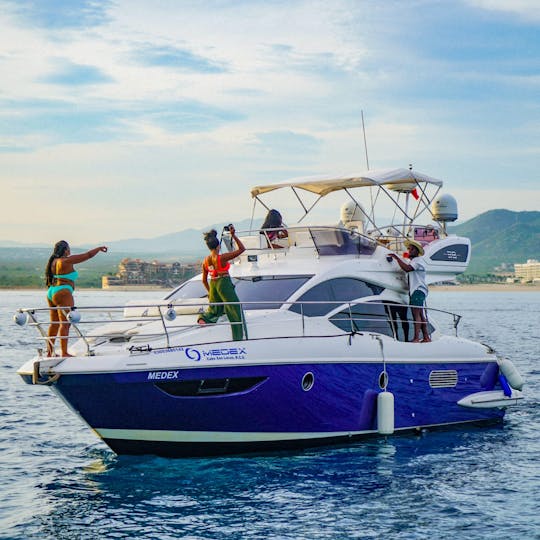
501	237
497	236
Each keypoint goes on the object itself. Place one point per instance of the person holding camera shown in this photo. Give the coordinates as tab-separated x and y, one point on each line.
216	280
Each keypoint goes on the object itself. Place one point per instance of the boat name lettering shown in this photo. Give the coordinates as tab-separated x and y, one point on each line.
163	375
171	349
235	353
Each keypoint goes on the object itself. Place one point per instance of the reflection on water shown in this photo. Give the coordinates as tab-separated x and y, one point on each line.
59	481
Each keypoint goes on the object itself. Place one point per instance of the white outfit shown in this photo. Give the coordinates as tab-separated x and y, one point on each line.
417	277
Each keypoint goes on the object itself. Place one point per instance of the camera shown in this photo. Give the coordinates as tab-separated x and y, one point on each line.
388	258
228	227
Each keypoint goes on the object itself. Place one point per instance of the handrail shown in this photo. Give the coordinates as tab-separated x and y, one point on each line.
168	328
376	235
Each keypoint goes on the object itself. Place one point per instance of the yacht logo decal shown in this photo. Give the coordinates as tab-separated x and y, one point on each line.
193	354
234	353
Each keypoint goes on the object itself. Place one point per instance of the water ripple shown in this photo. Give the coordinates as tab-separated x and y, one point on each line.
60	482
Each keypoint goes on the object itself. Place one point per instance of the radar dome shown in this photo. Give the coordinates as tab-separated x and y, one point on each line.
444	208
352	211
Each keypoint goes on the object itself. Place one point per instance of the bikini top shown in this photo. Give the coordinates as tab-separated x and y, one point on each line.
72	276
219	271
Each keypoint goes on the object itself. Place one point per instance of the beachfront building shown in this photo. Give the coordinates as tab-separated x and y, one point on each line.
529	271
139	272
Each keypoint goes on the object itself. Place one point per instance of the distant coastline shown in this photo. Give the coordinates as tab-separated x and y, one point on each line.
488	287
476	287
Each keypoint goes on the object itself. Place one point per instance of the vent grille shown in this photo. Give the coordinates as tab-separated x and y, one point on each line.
443	378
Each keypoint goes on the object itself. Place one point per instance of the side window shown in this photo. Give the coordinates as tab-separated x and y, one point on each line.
332	291
369	317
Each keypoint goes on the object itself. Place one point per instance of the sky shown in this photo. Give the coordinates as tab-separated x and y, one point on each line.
132	118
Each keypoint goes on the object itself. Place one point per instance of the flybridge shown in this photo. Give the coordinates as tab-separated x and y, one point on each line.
410	192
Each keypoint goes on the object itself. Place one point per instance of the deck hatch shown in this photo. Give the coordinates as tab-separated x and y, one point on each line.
205	387
443	378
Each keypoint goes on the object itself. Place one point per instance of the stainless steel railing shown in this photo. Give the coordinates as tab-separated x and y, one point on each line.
349	319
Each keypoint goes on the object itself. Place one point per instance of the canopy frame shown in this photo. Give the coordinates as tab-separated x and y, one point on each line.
383	181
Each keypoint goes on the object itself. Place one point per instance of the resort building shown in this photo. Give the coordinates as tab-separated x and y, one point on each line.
139	272
529	271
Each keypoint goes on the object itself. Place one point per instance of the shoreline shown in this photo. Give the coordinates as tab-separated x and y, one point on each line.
487	287
476	287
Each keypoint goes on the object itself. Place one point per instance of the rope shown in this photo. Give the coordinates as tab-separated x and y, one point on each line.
49	381
384	361
36	375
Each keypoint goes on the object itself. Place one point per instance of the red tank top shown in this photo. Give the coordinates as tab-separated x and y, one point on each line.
219	271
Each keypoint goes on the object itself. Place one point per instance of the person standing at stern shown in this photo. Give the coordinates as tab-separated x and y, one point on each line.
60	276
221	288
417	287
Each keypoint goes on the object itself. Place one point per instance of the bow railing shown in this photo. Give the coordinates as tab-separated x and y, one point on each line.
152	322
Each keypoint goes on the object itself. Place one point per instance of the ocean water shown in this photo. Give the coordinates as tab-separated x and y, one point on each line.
59	481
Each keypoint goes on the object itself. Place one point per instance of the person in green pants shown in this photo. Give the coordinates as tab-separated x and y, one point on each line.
221	288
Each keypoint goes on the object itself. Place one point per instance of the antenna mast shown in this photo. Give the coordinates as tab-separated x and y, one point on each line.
365	142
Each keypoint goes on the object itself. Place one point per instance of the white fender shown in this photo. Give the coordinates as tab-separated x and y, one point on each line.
20	318
74	316
385	413
170	314
514	378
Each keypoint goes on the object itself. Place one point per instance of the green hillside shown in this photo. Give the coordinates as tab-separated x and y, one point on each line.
497	236
501	236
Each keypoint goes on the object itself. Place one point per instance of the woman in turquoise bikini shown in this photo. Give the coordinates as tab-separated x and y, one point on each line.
221	288
60	277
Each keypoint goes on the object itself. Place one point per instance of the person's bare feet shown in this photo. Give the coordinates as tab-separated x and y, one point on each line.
426	340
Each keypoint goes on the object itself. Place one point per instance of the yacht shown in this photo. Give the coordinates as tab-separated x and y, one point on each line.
328	355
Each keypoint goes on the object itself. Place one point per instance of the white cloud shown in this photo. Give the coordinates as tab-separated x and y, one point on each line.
160	138
525	9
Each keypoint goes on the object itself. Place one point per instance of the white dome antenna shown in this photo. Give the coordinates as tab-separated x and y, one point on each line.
444	208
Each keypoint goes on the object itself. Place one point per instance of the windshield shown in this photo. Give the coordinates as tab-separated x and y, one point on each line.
188	289
275	289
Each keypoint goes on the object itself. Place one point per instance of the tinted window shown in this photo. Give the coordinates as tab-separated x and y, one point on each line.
329	241
453	253
188	289
249	289
333	291
276	289
367	317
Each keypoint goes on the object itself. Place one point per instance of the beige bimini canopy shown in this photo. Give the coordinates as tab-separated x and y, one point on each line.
324	185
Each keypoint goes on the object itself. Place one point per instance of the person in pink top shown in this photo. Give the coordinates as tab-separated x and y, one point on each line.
220	287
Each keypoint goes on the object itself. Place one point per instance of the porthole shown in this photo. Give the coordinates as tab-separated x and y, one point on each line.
383	379
307	381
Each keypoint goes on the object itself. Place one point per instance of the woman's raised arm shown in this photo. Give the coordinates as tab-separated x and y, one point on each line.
81	257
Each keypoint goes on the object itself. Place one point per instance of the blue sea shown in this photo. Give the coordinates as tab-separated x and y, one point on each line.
59	481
